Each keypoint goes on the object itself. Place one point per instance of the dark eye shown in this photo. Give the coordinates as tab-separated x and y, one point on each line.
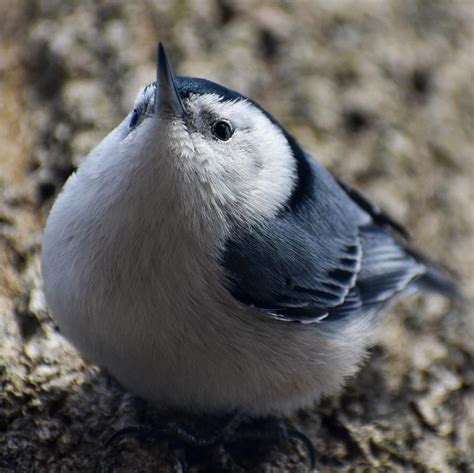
222	130
134	118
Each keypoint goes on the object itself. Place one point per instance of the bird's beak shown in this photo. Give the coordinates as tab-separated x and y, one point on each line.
167	100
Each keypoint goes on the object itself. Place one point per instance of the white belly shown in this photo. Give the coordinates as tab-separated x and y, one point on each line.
147	303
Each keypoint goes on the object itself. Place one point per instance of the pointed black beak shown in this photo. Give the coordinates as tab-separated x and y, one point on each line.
167	100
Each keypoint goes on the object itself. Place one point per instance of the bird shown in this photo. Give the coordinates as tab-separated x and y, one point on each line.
209	263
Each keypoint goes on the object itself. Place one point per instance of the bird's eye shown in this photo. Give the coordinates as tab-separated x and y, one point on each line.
222	130
134	118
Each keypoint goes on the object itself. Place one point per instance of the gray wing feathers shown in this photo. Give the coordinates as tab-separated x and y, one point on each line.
323	259
281	271
387	269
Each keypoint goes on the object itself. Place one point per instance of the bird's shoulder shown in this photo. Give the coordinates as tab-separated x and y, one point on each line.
329	253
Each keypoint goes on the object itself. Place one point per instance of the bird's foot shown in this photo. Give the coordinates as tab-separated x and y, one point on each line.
234	430
273	430
177	431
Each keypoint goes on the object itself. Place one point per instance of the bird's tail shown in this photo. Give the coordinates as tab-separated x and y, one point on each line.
437	279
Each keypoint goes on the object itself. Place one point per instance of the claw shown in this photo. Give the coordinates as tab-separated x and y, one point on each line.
232	432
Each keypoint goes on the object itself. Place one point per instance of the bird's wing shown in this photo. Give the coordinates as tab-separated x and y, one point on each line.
378	215
324	258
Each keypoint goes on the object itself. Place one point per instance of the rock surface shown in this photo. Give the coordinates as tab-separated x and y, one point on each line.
380	92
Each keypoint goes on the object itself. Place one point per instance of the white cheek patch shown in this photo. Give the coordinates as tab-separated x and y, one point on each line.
253	173
276	176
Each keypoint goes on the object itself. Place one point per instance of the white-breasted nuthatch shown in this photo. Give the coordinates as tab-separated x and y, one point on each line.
209	263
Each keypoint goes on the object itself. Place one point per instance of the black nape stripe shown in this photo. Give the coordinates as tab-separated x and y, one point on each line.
304	182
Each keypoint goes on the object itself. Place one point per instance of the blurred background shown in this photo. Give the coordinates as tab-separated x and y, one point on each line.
381	92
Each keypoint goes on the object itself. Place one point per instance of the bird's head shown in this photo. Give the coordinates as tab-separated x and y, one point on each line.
210	144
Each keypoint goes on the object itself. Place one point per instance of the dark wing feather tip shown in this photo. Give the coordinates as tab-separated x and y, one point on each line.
379	216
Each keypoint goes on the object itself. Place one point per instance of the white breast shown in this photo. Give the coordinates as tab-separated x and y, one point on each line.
133	281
